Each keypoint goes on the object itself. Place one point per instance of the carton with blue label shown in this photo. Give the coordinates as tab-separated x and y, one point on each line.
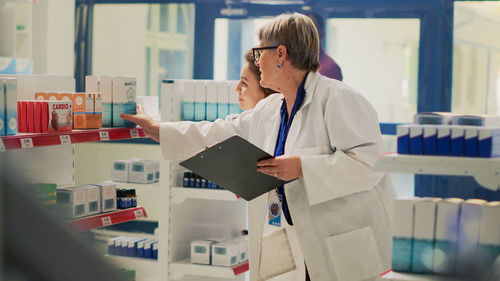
403	135
489	235
225	253
2	108
488	142
124	99
416	139
222	99
429	139
211	100
200	100
402	236
445	247
142	171
10	92
423	234
468	235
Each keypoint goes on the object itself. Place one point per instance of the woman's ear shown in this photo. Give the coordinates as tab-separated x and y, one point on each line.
282	51
282	54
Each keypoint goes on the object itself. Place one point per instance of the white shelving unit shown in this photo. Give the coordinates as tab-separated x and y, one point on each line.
194	214
180	194
145	269
486	171
398	276
185	267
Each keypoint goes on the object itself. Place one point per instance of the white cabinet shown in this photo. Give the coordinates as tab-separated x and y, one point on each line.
486	171
194	214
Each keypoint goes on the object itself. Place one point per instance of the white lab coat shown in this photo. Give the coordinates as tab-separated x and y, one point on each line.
341	209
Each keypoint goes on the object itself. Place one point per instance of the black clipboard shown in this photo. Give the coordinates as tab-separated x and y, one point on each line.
232	164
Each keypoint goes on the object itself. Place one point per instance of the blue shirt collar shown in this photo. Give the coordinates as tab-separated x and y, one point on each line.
299	99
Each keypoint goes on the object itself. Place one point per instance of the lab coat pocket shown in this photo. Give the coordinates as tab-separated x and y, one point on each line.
309	151
354	255
276	256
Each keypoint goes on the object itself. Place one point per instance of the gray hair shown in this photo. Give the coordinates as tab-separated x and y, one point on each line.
300	37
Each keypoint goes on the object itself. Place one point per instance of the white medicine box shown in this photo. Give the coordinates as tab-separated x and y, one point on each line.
142	171
242	248
72	201
93	199
119	170
201	251
108	196
225	253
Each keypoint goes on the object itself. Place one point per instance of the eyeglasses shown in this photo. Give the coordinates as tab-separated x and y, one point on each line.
257	52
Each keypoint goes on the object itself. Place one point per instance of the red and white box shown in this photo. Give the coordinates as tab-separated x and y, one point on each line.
38	116
22	116
31	116
44	121
60	116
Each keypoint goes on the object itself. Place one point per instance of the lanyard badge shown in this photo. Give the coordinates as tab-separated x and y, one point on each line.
274	210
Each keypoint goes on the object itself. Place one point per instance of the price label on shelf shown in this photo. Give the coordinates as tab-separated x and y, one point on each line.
134	133
65	139
104	136
27	143
139	214
106	221
2	146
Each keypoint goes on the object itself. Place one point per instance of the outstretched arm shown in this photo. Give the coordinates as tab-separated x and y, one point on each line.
151	128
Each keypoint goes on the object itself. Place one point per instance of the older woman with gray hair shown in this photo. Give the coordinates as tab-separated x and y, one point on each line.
332	222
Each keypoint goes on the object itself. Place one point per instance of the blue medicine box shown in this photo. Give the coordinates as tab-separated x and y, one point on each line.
132	246
443	140
403	133
140	249
416	139
148	248
430	139
154	247
488	142
457	141
470	142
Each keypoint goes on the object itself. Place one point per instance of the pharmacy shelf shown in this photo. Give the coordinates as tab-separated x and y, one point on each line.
20	141
17	1
398	276
486	171
107	219
185	267
120	184
145	269
180	194
132	262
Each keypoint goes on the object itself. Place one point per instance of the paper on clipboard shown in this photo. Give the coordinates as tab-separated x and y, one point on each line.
232	164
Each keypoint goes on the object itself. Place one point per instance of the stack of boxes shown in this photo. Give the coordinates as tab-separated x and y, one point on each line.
86	107
80	201
118	96
135	170
225	253
450	134
203	100
133	247
445	236
22	87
